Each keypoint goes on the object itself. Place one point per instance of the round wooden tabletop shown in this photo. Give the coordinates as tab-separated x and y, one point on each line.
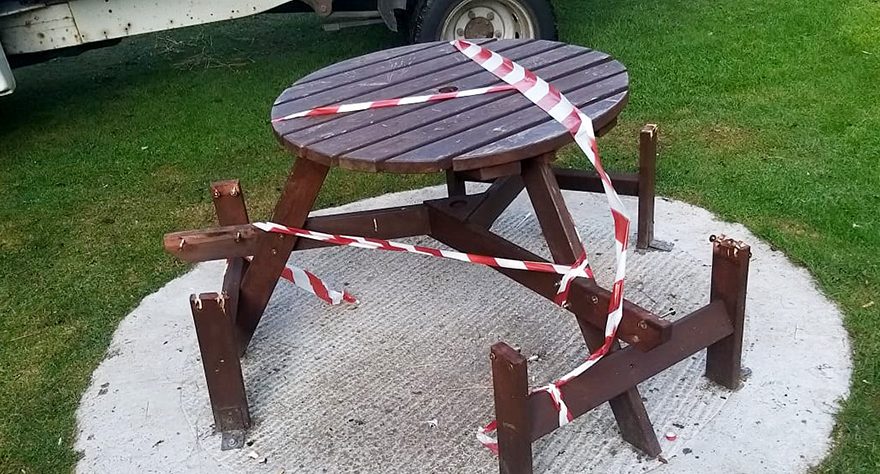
460	134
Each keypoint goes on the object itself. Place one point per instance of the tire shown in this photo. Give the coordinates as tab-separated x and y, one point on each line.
435	20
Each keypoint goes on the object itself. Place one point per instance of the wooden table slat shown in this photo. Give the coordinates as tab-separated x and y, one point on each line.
467	138
461	134
539	140
564	76
373	143
379	72
363	62
427	76
310	131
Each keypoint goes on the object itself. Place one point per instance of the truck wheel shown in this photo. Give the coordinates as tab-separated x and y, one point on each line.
435	20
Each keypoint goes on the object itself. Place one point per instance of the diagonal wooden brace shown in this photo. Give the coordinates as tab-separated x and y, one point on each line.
242	240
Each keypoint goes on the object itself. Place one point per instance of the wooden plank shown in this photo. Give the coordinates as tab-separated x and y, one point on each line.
510	380
730	275
626	368
388	223
588	181
544	137
317	129
331	138
566	247
646	180
596	106
217	344
229	206
365	61
404	79
380	64
242	240
551	211
431	146
493	172
495	200
212	244
589	302
305	132
272	251
228	199
455	185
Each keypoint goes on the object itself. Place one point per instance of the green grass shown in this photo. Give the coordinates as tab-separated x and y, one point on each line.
769	115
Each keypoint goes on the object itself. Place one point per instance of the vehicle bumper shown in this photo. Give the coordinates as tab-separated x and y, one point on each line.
7	80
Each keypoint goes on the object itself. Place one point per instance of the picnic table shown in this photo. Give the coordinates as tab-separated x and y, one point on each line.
499	138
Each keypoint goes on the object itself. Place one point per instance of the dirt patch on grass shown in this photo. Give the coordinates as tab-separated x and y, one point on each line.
726	138
795	228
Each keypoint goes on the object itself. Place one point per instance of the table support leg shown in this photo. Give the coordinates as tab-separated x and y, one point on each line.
293	208
647	179
217	343
454	184
230	208
565	247
510	381
730	271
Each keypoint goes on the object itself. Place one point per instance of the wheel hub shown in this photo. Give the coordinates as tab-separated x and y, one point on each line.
503	19
479	27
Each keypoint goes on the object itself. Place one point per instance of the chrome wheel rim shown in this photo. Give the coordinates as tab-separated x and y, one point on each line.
501	19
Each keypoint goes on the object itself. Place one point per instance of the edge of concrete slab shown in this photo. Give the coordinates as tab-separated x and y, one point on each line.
131	415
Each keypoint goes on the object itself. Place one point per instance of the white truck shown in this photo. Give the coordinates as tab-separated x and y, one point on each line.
36	30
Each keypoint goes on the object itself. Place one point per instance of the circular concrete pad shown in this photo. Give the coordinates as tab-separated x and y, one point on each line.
400	382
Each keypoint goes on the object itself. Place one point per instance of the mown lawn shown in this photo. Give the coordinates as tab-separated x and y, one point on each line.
769	111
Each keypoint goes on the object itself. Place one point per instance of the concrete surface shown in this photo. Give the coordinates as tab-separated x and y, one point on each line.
400	382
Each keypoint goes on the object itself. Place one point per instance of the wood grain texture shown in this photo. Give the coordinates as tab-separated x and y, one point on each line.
460	134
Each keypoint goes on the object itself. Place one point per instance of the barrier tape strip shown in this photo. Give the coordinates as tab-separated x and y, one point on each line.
380	244
579	125
551	100
310	282
378	104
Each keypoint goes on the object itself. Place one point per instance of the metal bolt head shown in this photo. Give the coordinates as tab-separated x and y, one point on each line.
636	339
274	251
216	194
594	299
471	14
498	34
460	32
643	325
490	16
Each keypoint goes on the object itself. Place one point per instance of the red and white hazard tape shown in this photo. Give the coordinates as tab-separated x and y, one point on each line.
378	104
550	100
310	282
380	244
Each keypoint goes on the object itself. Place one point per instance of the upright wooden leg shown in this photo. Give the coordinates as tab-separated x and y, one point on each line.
217	343
229	205
511	386
228	199
730	272
272	253
454	184
647	179
565	247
